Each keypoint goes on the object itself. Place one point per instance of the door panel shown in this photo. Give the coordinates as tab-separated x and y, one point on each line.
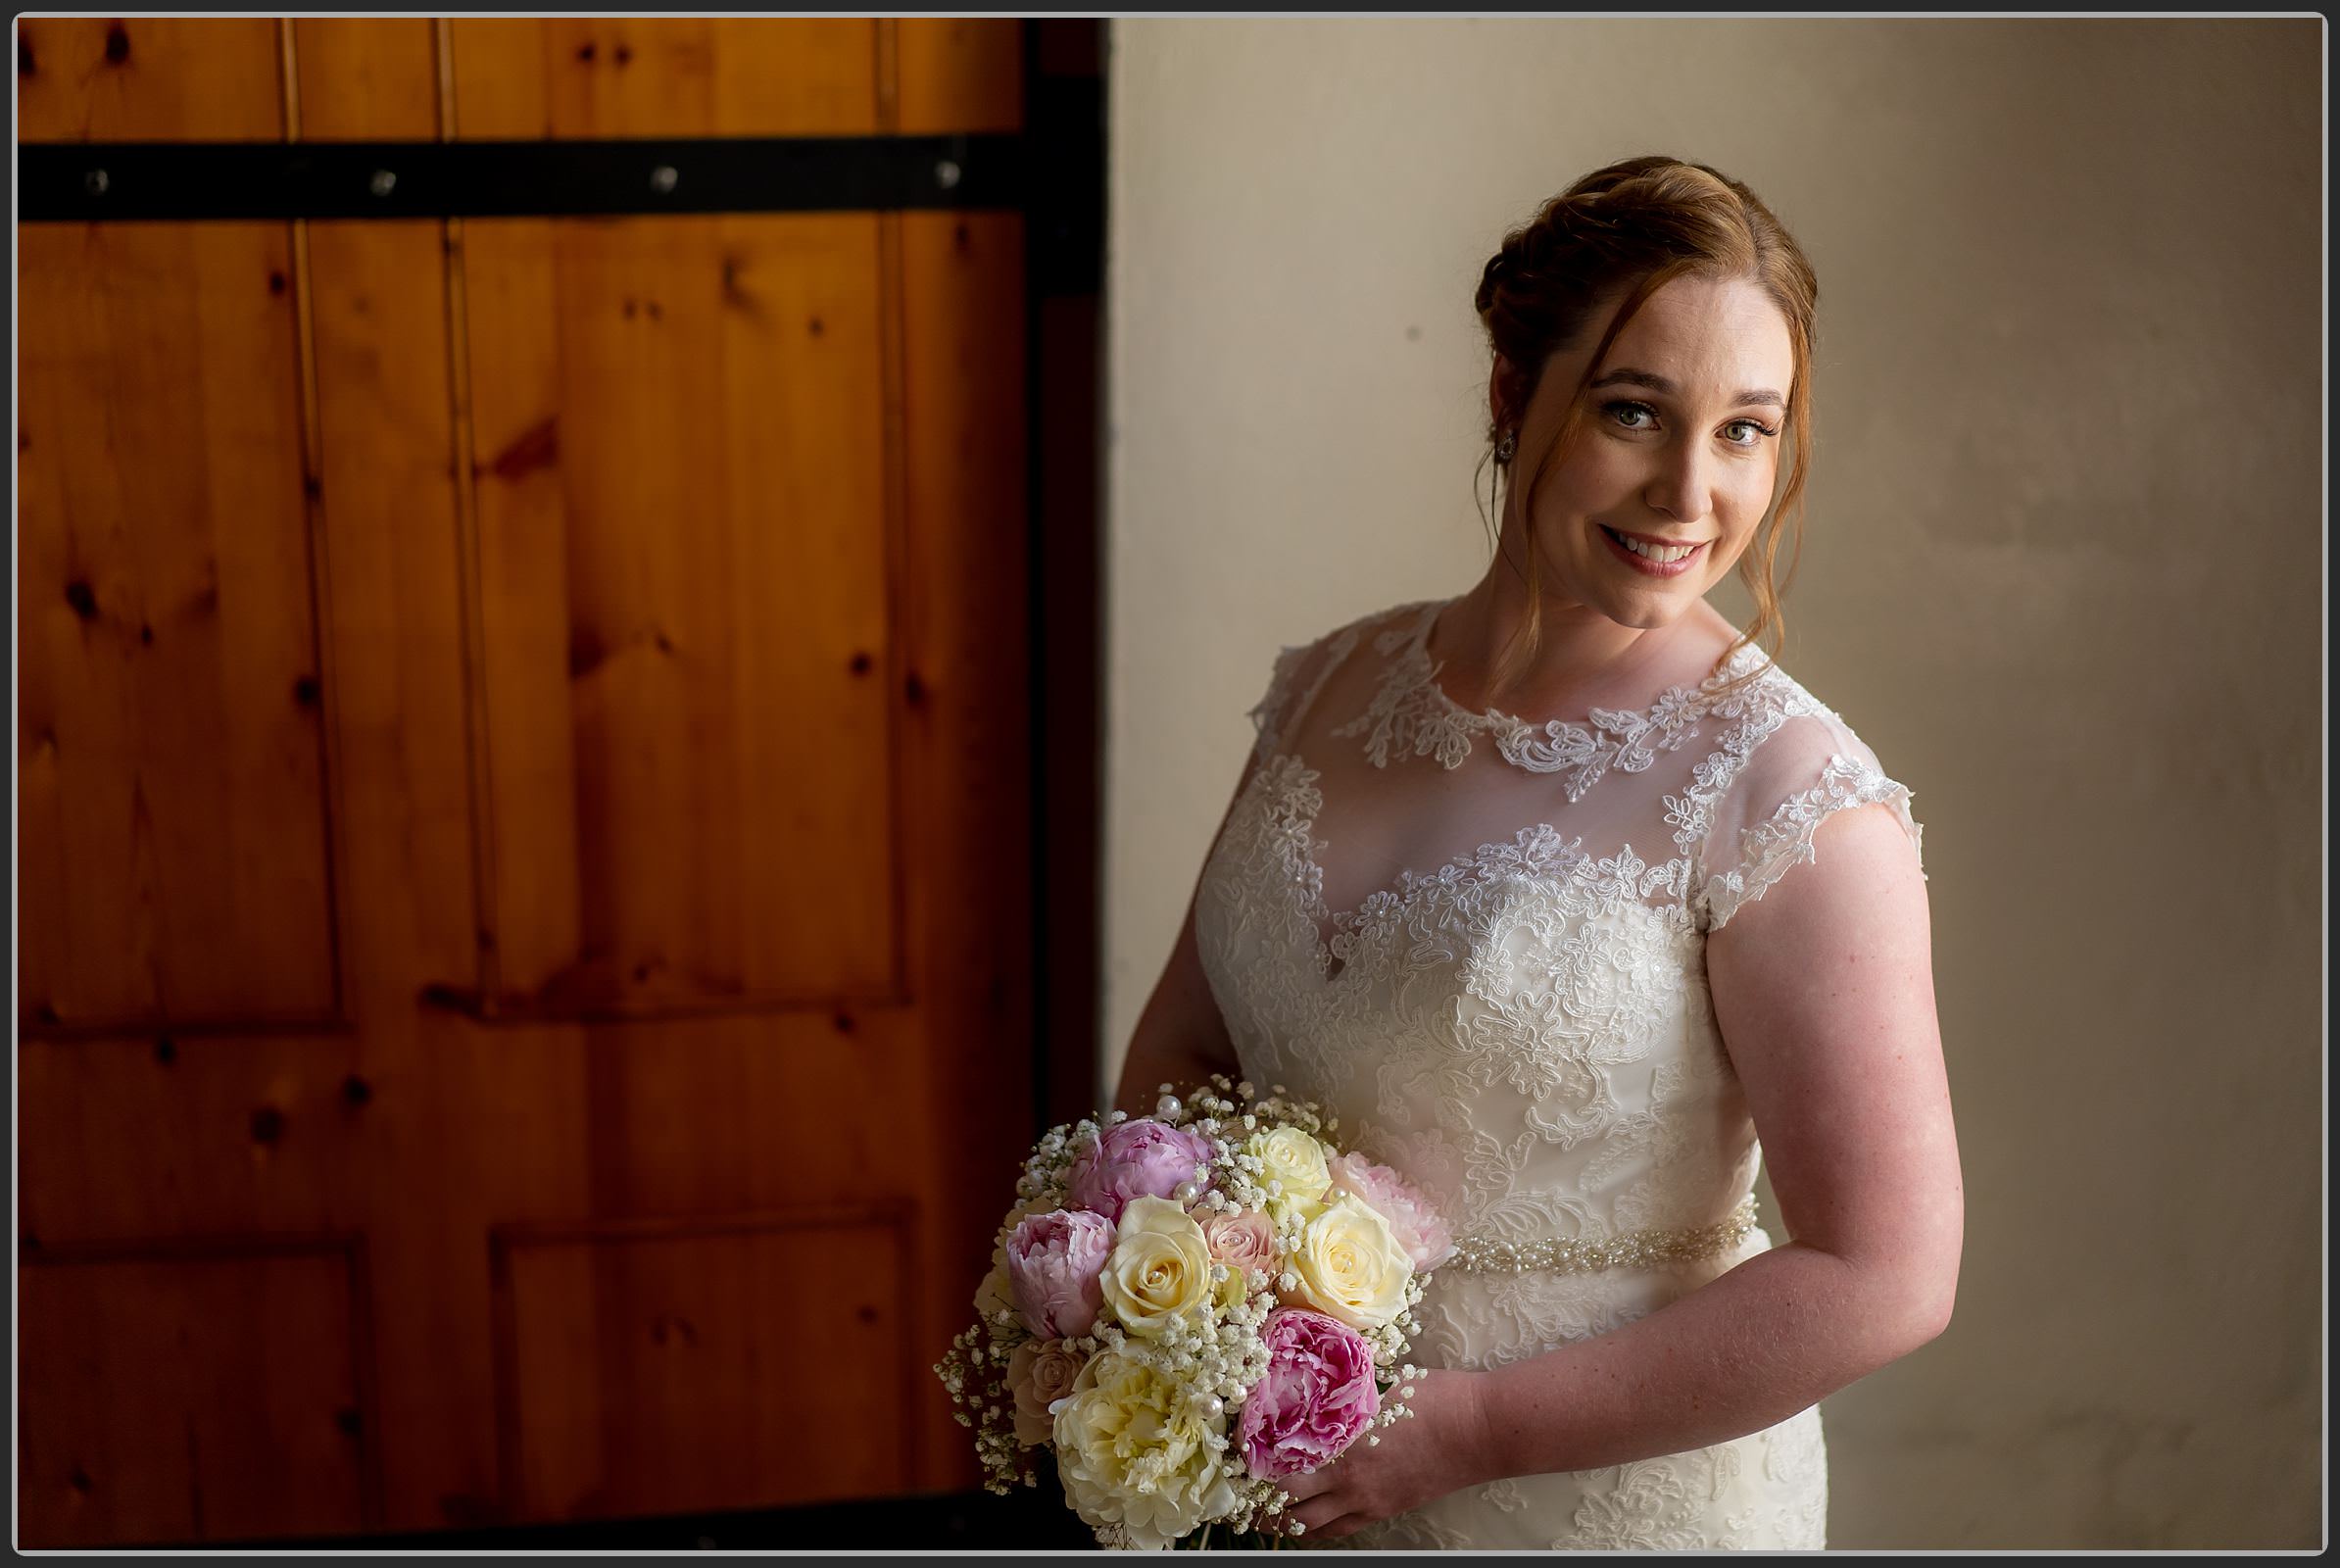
533	947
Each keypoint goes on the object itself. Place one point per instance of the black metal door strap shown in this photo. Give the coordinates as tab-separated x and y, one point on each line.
84	182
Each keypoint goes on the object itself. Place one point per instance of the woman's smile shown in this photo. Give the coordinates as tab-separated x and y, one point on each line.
1650	557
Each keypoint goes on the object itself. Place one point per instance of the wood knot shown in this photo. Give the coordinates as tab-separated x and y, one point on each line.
914	689
356	1090
305	691
867	1313
860	665
276	282
585	53
82	597
23	51
843	1022
348	1420
118	44
534	448
267	1125
166	1049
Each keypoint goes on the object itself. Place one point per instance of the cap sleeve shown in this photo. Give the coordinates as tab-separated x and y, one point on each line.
1300	672
1803	772
1276	703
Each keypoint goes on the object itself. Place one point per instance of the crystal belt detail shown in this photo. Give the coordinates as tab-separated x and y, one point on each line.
1481	1254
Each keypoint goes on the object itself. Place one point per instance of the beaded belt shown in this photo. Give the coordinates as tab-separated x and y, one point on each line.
1479	1255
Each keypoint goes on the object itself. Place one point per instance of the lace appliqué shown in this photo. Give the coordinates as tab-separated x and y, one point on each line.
1527	1033
1770	849
1411	711
1268	714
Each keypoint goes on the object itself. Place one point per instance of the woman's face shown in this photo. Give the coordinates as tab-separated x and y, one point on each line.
1679	445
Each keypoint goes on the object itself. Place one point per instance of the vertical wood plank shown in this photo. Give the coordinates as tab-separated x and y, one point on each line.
960	74
149	78
173	653
365	79
962	316
666	76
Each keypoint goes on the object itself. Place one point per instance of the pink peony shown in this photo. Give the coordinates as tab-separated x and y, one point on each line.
1412	1220
1138	1159
1054	1261
1317	1398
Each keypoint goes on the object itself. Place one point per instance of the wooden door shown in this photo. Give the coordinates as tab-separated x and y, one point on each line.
525	1001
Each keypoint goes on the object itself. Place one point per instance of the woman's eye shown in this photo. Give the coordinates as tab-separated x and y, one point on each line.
1624	413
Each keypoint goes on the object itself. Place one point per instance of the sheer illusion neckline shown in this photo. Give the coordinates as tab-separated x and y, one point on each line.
1417	663
1410	712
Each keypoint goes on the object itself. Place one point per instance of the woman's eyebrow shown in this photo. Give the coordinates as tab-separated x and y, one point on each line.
1629	377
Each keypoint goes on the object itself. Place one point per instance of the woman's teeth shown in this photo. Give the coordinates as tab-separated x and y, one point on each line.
1661	554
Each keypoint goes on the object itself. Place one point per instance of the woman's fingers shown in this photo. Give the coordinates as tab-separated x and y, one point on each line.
1318	1512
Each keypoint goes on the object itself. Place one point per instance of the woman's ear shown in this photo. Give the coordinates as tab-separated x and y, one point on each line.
1504	404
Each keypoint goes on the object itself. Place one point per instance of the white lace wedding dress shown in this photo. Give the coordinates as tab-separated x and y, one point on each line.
1524	1029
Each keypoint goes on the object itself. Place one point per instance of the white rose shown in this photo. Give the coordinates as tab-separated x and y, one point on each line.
1159	1267
1294	1161
1349	1265
1132	1454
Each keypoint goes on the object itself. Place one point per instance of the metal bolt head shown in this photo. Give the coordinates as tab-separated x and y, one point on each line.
662	179
383	182
946	174
95	182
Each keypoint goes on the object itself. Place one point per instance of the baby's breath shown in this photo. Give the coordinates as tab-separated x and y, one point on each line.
1213	1360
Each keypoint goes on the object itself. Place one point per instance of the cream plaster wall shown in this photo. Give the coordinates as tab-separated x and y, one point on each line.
2063	573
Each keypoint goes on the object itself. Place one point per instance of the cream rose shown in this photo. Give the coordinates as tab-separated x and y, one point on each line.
1039	1372
1292	1158
1159	1267
1133	1455
1351	1266
992	1296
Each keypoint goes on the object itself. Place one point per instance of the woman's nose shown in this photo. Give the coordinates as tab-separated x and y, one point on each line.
1681	487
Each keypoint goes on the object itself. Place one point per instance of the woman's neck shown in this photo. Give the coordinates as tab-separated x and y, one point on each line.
1582	659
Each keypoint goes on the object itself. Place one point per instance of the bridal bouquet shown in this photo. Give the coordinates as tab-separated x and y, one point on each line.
1187	1307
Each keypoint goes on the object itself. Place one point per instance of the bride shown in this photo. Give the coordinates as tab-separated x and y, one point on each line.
1559	892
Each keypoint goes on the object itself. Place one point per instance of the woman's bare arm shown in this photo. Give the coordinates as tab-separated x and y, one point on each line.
1181	1036
1824	989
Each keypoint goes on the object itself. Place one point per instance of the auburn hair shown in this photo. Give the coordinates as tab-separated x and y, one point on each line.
1637	225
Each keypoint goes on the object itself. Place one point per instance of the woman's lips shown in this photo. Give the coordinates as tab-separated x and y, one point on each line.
1647	567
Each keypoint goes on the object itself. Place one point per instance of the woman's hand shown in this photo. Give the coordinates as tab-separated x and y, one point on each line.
1439	1449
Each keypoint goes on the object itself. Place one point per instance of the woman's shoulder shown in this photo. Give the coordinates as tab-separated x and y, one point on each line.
1382	630
1301	668
1378	625
1786	762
